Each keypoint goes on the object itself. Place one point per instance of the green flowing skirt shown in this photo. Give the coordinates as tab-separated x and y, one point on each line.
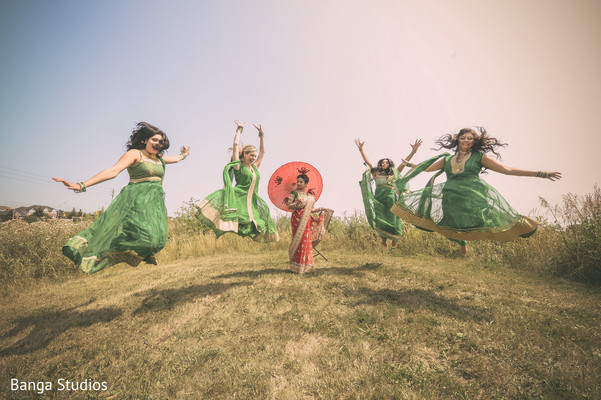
377	209
464	208
237	218
135	221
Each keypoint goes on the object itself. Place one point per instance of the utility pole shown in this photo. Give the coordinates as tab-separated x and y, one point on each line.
112	194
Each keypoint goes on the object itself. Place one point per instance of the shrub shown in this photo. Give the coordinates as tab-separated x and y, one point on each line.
578	224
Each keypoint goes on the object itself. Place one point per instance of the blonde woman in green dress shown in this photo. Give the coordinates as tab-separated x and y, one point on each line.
237	208
465	207
136	221
377	205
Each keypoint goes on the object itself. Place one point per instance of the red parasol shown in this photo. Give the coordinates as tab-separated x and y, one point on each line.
283	181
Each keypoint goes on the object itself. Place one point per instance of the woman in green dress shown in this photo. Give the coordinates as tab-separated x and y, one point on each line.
238	208
136	221
465	207
378	204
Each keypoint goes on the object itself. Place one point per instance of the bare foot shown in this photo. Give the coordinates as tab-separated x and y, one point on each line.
463	249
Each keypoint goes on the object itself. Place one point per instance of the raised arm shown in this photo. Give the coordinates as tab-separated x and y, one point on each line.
360	144
494	165
236	145
125	161
437	166
414	147
183	153
261	145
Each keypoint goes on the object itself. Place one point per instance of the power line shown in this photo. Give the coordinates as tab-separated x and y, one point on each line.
46	182
29	177
103	192
22	171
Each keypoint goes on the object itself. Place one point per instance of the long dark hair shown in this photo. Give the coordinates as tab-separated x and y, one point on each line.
388	171
482	142
141	133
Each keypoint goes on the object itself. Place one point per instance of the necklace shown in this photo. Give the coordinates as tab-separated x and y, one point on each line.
461	155
147	154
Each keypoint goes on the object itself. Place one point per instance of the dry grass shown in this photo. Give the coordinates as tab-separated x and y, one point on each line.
364	325
568	246
34	250
225	319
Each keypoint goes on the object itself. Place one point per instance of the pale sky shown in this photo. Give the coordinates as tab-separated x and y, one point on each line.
75	77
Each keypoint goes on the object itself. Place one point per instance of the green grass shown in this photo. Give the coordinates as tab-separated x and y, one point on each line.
365	324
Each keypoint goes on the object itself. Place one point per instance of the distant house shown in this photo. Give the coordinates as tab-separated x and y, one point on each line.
22	212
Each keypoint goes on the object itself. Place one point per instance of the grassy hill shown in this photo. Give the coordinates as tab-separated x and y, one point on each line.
365	324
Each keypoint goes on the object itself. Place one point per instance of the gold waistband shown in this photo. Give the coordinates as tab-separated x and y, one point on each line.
150	178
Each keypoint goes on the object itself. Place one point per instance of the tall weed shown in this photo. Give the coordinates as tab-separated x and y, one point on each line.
568	246
577	221
34	250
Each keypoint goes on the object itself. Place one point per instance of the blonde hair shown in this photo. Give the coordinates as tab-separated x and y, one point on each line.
246	149
249	148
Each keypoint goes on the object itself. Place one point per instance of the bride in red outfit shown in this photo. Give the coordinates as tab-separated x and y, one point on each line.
307	228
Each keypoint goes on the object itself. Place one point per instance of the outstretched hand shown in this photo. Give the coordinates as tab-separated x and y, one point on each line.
554	176
416	145
359	144
184	151
240	125
259	128
69	185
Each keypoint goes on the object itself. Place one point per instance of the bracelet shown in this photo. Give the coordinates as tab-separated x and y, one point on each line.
542	174
261	134
83	188
239	128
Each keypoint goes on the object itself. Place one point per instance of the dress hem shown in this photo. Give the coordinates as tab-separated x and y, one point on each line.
213	215
301	269
524	227
384	234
